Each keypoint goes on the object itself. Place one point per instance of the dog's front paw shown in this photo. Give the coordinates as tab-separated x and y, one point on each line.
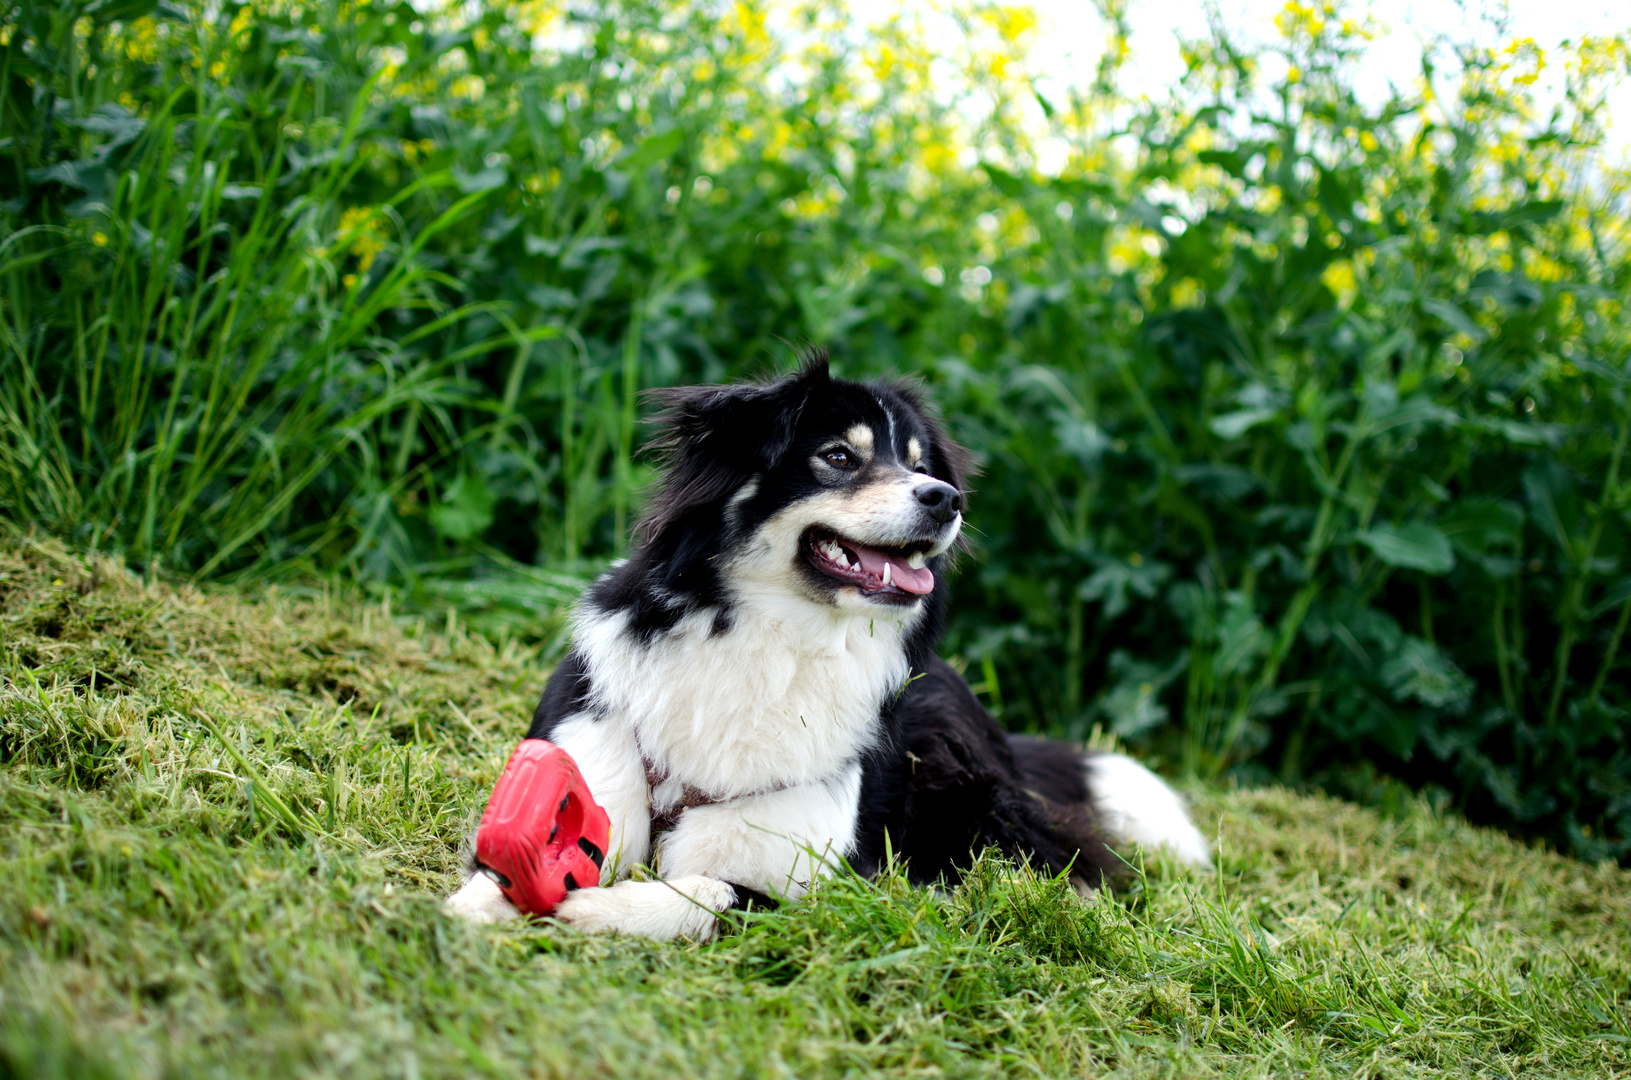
686	907
481	901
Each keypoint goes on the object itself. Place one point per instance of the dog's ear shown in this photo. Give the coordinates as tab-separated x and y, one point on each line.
711	439
746	427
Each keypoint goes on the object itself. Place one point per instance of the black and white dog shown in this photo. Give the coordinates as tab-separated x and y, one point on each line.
754	693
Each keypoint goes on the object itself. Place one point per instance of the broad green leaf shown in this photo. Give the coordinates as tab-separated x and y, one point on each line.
1005	182
1416	546
1112	582
1455	317
1233	425
1618	594
1133	705
1416	410
1225	481
1082	439
467	510
1476	524
1526	433
1242	637
653	149
1419	670
1547	489
487	179
1533	212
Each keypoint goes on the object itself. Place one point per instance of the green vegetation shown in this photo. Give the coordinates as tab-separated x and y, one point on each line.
1303	419
1303	424
225	821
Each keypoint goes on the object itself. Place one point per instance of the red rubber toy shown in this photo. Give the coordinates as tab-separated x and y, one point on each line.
543	834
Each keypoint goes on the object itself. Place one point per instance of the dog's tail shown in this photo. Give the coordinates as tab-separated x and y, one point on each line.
1127	803
1136	806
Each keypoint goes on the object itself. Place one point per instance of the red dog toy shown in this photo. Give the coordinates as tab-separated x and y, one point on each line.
543	834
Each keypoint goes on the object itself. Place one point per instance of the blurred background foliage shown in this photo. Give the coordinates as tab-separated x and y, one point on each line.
1302	418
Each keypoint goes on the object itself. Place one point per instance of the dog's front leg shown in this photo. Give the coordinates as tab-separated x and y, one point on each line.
776	844
609	758
682	907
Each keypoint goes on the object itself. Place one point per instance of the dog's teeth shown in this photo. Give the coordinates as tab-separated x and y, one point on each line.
917	560
887	567
835	552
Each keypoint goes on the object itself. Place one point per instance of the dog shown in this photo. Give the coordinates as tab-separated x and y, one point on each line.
754	697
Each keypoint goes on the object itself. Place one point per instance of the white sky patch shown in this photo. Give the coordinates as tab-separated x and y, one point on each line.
1071	38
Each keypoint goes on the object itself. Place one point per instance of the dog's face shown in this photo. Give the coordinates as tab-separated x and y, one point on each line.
856	506
845	493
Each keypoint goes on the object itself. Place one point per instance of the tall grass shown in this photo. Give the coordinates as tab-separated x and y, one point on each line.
184	360
1302	417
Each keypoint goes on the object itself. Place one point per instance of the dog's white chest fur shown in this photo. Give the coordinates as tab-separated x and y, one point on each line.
788	695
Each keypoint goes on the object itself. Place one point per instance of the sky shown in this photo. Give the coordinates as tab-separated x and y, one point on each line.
1071	39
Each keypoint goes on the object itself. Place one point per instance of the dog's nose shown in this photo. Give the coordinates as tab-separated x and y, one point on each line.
941	500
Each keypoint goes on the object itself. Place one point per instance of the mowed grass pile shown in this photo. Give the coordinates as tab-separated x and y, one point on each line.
226	820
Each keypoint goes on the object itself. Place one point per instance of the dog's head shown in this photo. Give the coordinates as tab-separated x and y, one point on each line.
847	493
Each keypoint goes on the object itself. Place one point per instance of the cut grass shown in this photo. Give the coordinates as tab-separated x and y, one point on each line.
226	820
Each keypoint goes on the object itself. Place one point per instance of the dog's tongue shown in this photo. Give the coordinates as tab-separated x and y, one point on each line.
903	577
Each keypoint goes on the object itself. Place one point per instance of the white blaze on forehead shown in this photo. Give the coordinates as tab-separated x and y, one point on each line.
914	451
860	437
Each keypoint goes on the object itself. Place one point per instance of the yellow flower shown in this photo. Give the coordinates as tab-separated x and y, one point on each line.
100	239
882	63
1296	18
536	16
1339	278
1186	292
360	229
1011	23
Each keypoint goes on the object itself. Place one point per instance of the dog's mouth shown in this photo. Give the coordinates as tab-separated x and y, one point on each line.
892	574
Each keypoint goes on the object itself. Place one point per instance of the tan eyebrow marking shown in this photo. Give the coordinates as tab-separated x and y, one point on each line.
860	437
914	451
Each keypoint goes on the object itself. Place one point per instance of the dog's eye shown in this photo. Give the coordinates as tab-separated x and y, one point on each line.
924	469
839	458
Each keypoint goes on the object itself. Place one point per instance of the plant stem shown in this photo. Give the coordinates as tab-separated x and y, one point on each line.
1503	652
1424	587
1577	588
1611	652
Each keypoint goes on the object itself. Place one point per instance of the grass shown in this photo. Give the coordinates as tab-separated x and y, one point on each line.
226	819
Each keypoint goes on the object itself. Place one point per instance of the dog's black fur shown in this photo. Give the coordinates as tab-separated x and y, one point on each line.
950	782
